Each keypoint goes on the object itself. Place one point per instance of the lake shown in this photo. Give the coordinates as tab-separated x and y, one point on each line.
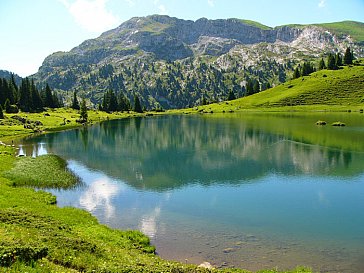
250	190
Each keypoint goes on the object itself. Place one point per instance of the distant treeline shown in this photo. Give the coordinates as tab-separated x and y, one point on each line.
26	97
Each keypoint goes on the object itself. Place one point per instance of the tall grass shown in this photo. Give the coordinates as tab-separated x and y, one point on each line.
46	171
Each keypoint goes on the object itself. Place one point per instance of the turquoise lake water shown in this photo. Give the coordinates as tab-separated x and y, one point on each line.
246	190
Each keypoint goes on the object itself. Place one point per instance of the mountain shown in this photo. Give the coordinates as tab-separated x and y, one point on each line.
7	75
176	63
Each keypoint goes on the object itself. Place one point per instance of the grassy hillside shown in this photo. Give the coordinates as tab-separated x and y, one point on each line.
51	120
354	29
255	24
337	90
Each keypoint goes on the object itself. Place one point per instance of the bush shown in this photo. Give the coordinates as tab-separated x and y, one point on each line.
12	109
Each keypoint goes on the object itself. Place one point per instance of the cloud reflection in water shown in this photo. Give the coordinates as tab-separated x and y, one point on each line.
99	196
148	224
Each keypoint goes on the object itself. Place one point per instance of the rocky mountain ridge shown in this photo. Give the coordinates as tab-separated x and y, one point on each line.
240	50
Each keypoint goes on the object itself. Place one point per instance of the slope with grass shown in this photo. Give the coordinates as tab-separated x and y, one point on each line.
338	90
24	124
342	29
352	28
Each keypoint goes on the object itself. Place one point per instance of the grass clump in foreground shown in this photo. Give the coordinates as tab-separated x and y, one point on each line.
46	171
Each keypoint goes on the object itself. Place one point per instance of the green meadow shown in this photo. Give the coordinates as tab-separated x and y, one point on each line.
325	90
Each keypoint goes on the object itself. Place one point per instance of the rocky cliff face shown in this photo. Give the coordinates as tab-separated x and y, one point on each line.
238	45
172	39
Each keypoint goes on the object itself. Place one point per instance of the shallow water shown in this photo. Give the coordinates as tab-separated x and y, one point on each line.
247	190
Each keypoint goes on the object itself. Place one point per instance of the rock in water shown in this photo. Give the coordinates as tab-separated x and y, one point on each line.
206	265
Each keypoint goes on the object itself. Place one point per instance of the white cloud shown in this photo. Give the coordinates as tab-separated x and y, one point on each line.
211	3
322	3
131	2
91	15
161	8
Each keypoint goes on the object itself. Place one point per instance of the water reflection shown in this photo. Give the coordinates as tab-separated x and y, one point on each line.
148	223
169	152
34	150
99	194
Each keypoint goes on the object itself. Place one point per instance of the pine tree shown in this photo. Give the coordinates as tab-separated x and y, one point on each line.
137	105
60	101
113	103
296	73
203	101
48	102
1	112
7	91
256	87
56	102
307	69
338	60
36	101
231	95
75	105
123	102
110	102
83	111
348	57
249	87
2	92
25	95
331	64
322	64
13	90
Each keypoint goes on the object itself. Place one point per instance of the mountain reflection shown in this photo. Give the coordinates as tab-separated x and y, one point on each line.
166	152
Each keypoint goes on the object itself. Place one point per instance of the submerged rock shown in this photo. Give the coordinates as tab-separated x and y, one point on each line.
228	250
206	265
339	123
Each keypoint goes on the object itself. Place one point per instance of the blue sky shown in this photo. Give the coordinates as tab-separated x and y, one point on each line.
33	29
